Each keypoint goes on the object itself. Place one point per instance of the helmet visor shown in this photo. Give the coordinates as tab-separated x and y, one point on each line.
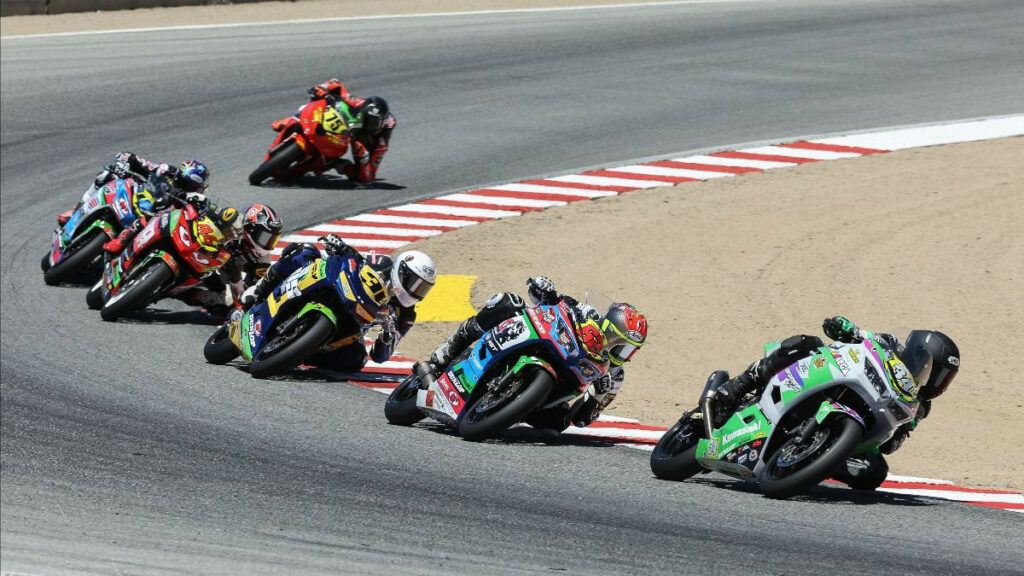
622	353
265	239
416	286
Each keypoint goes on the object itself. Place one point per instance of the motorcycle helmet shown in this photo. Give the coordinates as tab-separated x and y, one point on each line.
372	113
214	227
626	330
412	276
261	227
933	359
192	176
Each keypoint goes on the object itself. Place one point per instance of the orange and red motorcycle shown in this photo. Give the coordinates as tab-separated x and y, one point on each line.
309	143
171	255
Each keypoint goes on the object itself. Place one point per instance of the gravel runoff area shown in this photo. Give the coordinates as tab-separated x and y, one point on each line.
926	237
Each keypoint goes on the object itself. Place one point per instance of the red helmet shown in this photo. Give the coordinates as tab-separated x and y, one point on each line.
261	227
626	330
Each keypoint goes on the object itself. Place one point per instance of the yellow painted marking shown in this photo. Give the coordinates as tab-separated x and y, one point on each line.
448	300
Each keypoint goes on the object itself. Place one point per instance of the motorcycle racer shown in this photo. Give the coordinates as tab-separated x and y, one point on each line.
931	357
169	184
409	276
370	132
622	331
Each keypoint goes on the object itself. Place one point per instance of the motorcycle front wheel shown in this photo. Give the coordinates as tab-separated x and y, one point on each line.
288	349
277	163
498	408
674	457
138	291
794	468
74	263
400	409
219	349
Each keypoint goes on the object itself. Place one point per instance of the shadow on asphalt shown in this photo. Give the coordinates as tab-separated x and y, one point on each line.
823	493
159	316
328	182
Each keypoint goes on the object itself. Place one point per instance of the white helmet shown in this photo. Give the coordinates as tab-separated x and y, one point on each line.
412	277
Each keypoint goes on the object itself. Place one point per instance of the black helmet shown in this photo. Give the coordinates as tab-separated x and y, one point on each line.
372	112
933	359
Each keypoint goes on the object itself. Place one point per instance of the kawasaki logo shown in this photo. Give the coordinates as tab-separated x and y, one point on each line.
737	433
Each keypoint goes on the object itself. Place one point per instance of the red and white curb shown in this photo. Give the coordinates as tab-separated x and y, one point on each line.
390	228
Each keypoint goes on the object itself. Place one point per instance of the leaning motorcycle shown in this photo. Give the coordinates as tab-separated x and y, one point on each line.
104	211
168	257
532	361
326	305
305	144
832	409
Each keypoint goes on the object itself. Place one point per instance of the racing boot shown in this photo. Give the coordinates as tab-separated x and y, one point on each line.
467	333
729	393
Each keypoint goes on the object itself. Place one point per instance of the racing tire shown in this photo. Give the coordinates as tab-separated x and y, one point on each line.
675	455
305	338
137	293
219	349
277	162
400	408
844	433
94	297
537	383
45	262
68	267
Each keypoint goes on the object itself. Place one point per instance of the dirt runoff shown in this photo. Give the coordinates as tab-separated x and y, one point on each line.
927	238
260	12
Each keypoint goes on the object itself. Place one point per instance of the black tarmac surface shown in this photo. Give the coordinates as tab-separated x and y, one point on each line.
122	452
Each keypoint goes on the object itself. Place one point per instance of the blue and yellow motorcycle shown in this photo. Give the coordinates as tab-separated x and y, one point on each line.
326	305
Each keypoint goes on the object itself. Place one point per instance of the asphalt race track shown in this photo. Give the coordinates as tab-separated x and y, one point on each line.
123	452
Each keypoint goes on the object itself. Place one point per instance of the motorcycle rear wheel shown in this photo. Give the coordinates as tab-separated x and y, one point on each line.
277	162
400	409
674	457
284	351
137	293
67	268
219	349
481	422
842	434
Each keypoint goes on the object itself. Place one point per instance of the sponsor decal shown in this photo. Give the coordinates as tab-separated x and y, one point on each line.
430	398
549	317
804	367
841	362
184	237
257	327
732	456
198	257
449	391
757	443
789	383
712	450
875	379
737	433
854	355
741	459
819	362
753	455
953	361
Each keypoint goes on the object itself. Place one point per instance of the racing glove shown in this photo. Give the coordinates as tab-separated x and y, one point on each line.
335	246
840	329
541	290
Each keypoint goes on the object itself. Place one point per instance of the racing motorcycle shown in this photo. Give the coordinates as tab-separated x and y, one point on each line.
532	361
326	305
171	255
308	143
824	412
101	215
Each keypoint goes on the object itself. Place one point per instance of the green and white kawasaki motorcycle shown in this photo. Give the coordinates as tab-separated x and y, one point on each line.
831	409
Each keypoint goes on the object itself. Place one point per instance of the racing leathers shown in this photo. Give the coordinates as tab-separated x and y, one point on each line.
505	305
348	356
161	192
368	146
727	396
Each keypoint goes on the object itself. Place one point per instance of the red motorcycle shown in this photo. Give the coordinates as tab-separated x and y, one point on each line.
170	256
307	144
